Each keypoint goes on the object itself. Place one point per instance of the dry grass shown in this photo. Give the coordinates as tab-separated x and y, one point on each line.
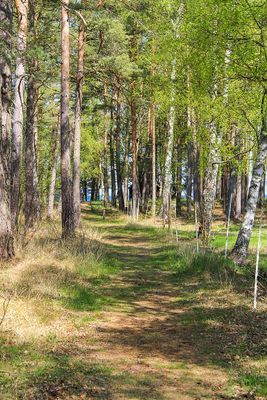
32	285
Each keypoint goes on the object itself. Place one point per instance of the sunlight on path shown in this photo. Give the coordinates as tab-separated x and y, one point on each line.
145	336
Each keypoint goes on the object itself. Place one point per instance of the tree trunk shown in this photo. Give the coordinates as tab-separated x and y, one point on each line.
105	161
232	192
238	197
32	204
189	180
6	235
262	191
146	165
68	224
18	112
244	191
85	197
134	153
219	186
225	187
179	180
93	189
168	162
77	127
52	185
118	147
154	165
209	186
240	249
111	150
126	168
196	177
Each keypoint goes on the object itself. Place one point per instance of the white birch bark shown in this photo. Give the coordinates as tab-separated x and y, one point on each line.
17	120
210	183
240	250
210	178
168	161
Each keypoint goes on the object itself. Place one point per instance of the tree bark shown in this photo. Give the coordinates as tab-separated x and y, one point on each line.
240	250
68	223
209	186
112	158
77	127
134	153
105	161
126	168
189	180
154	165
244	191
196	176
232	192
85	197
6	234
18	111
238	197
32	204
179	180
93	189
52	185
168	160
118	147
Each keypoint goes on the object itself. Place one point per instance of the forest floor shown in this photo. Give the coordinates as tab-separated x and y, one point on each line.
126	312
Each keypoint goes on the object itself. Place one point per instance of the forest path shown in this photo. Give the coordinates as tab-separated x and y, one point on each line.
139	318
156	334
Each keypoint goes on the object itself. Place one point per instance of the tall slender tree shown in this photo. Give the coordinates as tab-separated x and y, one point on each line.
134	153
18	112
168	161
154	160
6	234
77	124
240	249
111	150
32	202
68	223
119	144
105	161
55	160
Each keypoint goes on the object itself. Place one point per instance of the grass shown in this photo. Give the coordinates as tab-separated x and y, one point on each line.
126	312
254	381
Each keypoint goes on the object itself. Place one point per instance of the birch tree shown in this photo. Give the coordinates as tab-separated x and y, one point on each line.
240	250
169	152
18	111
168	160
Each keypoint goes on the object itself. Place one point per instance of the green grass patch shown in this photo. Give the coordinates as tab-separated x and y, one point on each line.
80	298
254	381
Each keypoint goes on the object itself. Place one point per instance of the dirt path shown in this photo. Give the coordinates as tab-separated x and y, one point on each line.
150	337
